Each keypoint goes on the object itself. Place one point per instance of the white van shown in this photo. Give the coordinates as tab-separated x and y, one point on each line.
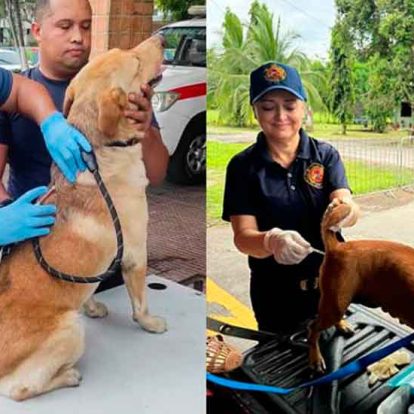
179	100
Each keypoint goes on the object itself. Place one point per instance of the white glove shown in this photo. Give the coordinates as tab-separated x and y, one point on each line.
287	246
351	218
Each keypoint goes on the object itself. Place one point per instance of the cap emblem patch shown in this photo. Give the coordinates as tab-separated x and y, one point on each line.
274	73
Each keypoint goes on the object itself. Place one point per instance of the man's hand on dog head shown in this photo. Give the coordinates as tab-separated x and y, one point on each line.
140	110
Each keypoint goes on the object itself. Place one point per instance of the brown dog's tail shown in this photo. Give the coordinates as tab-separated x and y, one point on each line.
334	214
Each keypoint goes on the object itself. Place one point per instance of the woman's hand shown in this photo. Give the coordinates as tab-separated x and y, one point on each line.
287	246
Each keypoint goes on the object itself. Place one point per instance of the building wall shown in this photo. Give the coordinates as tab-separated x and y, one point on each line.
120	23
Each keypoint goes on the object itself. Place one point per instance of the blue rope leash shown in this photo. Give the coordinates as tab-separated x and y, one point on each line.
348	369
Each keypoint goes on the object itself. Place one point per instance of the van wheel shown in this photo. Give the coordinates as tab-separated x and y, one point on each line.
188	163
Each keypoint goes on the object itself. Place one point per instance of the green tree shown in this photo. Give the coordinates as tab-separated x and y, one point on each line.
382	34
381	81
245	47
177	8
341	97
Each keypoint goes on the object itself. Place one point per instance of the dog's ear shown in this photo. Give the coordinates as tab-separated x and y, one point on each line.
111	104
69	98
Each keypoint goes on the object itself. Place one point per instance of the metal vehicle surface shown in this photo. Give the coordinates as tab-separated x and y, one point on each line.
179	100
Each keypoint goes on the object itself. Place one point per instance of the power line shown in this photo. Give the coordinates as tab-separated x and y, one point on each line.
305	13
218	6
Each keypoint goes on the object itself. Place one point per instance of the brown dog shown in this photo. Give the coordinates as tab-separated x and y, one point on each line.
41	334
372	271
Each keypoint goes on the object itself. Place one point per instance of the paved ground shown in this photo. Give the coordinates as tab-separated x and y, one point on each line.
177	233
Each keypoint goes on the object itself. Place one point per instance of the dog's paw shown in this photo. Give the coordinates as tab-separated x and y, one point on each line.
72	377
345	328
318	365
154	324
95	309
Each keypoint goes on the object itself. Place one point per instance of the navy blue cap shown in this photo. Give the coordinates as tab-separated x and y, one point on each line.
272	76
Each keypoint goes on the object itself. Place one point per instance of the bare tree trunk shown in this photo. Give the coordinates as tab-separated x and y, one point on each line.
10	17
16	26
20	34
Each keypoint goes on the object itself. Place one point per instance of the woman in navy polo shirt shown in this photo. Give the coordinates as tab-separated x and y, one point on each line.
275	195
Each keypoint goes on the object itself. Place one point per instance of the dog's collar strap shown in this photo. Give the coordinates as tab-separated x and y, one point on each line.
129	143
115	264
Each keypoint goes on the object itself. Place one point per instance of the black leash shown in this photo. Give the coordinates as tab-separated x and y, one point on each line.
90	160
294	339
238	331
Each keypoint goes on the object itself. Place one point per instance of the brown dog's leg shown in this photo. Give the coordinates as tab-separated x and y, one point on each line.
51	365
95	309
316	361
330	314
69	377
345	327
135	282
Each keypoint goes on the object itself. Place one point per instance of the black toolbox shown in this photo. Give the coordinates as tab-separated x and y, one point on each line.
285	365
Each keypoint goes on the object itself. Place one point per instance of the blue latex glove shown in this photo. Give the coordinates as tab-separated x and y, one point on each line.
64	143
22	220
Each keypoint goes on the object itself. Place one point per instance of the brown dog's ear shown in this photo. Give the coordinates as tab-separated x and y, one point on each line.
69	98
111	104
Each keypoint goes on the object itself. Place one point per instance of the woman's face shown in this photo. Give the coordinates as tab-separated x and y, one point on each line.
280	115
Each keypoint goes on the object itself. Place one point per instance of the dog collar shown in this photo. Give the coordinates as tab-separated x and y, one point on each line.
129	143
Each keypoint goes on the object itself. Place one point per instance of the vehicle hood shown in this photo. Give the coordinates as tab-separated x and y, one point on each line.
11	67
176	76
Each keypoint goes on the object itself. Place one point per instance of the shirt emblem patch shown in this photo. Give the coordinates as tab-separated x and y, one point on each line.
274	73
314	175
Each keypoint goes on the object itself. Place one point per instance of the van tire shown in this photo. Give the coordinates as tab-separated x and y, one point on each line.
188	163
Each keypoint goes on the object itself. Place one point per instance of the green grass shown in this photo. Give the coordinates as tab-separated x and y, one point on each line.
218	156
321	130
363	177
366	178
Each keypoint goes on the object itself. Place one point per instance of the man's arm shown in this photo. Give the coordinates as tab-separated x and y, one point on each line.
4	149
155	156
29	98
63	141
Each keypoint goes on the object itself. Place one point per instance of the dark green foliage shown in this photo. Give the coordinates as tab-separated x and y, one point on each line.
177	8
382	35
244	48
341	95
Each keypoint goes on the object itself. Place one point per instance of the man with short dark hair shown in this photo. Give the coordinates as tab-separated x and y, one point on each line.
62	29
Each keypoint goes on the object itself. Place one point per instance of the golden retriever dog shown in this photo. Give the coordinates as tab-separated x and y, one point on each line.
372	272
42	337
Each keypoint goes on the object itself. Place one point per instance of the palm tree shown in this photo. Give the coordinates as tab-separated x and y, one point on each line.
243	51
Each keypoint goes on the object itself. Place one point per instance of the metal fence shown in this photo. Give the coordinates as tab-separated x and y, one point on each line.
377	164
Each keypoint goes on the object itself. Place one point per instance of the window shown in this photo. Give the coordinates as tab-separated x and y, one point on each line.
185	46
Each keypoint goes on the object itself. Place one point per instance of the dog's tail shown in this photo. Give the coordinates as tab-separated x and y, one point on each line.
334	214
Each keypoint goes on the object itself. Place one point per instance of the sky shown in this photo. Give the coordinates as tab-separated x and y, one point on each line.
311	19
